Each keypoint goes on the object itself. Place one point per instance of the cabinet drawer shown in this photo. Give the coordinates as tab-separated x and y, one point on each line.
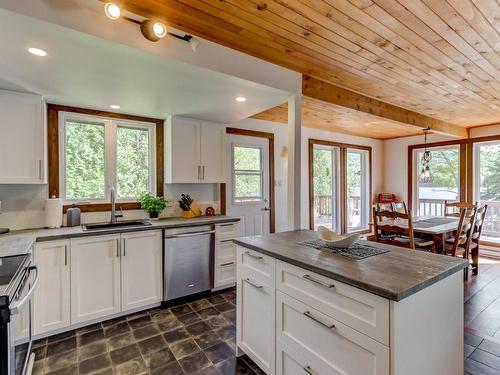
225	231
330	343
225	273
291	362
225	249
259	266
363	311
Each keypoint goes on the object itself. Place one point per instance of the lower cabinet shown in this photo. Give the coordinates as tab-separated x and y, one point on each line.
51	301
141	269
95	277
225	255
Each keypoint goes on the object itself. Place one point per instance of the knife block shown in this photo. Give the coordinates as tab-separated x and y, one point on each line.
193	212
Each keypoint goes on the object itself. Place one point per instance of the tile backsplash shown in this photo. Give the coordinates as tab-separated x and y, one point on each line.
23	205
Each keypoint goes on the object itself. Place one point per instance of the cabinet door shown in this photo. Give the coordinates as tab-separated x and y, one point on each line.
212	152
255	321
182	151
22	144
95	277
141	269
225	264
52	296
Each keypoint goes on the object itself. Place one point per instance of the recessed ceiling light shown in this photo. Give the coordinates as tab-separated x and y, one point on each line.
159	29
114	106
112	11
241	99
37	51
153	31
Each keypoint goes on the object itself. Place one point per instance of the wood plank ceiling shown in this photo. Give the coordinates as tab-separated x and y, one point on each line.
439	58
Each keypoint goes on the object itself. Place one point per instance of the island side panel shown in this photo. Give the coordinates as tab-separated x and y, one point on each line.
427	330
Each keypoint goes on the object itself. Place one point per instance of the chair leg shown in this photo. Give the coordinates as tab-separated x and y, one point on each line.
475	260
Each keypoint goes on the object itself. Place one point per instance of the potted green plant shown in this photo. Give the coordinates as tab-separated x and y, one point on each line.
153	205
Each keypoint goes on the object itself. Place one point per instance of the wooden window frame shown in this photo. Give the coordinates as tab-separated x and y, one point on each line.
466	168
343	182
272	203
53	111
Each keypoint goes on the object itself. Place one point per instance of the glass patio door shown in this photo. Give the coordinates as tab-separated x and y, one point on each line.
326	187
487	187
357	190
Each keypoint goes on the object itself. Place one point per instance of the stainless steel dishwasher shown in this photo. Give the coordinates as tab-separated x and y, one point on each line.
188	261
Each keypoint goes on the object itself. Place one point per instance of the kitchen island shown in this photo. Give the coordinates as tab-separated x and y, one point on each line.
304	310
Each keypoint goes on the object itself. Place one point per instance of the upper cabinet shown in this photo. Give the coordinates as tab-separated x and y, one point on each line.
23	141
194	151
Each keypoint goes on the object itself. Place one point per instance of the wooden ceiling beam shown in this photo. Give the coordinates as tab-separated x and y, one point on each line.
330	93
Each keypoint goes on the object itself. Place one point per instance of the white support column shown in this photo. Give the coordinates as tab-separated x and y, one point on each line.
294	160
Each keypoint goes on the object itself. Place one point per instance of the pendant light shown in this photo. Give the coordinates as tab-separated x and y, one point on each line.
425	173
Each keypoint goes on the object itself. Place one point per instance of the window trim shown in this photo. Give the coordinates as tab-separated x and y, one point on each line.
53	123
343	185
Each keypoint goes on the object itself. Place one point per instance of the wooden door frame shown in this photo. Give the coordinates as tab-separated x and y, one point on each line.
272	204
343	181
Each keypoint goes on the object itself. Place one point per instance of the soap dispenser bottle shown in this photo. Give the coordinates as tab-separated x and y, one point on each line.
73	216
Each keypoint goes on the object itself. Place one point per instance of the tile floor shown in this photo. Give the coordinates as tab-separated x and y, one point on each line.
193	338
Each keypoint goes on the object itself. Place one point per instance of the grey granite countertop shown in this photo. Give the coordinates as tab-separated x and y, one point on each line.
20	242
395	274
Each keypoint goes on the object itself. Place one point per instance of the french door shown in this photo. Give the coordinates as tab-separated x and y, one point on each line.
340	186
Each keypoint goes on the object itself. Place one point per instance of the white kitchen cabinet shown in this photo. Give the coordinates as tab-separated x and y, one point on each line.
52	296
23	140
194	151
141	269
95	277
255	332
225	255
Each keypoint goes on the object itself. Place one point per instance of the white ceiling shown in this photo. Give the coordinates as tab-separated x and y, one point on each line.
83	70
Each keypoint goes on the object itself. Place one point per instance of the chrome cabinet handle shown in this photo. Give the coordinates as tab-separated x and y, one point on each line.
124	247
308	370
226	241
253	283
203	175
192	234
317	320
39	169
226	264
316	281
65	255
258	257
199	172
117	248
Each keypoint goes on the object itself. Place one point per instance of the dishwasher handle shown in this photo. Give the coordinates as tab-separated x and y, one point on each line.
192	234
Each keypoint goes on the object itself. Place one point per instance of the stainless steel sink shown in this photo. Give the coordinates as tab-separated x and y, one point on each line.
118	224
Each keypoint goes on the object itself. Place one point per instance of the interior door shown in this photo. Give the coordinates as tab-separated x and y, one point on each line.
248	183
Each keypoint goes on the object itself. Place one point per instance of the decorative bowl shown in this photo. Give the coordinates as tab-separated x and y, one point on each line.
336	240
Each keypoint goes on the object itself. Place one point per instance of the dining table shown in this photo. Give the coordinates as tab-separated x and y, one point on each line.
436	226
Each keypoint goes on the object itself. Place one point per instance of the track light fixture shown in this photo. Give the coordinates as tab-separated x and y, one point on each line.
112	11
153	31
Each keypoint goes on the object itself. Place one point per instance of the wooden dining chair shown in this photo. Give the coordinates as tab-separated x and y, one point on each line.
458	244
399	207
396	228
453	208
384	206
476	237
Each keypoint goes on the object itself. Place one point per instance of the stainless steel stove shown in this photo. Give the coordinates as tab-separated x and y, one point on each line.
18	280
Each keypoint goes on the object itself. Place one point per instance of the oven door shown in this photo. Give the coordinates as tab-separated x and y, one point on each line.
21	321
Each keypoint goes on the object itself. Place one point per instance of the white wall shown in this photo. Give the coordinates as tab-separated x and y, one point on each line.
395	157
281	165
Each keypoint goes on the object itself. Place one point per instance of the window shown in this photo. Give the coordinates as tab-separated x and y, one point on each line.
340	186
247	174
487	187
97	154
445	183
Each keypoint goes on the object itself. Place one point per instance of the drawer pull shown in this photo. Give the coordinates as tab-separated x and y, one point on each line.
308	370
253	284
317	320
224	241
226	264
314	280
258	257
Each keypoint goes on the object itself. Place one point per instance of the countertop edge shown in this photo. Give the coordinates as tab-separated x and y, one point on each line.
368	288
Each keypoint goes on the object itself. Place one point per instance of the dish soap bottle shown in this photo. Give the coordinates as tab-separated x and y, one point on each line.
73	216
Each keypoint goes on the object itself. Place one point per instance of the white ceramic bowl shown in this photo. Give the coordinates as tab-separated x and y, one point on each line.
336	240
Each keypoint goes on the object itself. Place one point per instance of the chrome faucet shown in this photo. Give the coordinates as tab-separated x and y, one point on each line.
114	215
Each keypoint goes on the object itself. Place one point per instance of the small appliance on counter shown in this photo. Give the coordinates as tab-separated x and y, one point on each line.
73	216
18	280
189	207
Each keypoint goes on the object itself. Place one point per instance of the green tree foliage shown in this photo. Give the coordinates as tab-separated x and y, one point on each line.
490	172
84	160
444	167
132	161
322	171
248	173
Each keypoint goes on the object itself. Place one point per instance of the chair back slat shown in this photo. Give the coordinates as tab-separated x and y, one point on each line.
454	208
390	223
478	224
464	229
399	207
